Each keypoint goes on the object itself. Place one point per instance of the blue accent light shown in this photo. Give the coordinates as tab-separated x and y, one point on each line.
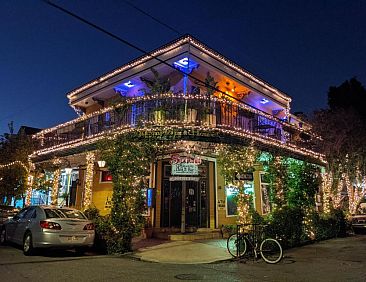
264	101
133	114
186	65
129	84
107	116
149	197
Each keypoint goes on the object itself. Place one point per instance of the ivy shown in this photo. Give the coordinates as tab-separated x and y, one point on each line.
129	163
233	160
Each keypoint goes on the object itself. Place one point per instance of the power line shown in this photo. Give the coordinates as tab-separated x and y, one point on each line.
152	17
124	41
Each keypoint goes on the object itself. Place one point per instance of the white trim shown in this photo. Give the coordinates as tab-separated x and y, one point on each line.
260	187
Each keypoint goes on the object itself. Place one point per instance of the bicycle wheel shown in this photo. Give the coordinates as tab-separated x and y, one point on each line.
236	247
271	250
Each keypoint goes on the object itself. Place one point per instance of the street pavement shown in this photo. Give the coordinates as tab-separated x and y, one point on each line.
185	252
342	259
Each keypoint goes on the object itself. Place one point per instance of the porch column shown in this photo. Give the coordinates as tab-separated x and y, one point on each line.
89	174
29	190
55	186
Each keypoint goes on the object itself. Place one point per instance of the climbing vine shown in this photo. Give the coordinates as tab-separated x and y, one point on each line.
129	163
238	160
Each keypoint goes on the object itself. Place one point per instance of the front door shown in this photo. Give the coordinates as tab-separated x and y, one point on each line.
191	203
184	203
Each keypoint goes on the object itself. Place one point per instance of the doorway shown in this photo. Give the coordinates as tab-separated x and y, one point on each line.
185	201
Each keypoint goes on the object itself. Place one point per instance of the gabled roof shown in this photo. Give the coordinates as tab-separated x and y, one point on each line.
186	39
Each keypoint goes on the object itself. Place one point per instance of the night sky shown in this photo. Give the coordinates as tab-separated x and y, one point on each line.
300	47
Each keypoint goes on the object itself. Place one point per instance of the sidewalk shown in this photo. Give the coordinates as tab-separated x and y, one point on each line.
181	252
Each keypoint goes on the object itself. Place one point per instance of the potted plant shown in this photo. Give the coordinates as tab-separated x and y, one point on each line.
227	230
156	86
159	115
209	111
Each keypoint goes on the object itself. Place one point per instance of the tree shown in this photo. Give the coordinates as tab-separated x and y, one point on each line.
350	95
343	128
14	149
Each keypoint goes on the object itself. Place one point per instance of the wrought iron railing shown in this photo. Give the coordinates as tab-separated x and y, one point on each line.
169	109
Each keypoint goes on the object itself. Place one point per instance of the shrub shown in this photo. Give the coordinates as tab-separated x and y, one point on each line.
286	224
227	230
329	226
92	213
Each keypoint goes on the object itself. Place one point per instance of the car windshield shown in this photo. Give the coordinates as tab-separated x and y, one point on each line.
64	213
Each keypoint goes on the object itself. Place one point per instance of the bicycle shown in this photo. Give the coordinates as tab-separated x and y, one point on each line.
269	249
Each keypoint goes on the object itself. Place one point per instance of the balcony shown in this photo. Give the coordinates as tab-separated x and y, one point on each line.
170	110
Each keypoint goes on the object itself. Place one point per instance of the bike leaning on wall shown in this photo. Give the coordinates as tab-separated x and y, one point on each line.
250	239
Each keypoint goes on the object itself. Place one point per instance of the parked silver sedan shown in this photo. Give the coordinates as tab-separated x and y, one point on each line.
48	226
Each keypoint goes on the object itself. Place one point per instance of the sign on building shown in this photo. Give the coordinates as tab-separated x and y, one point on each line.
244	176
185	165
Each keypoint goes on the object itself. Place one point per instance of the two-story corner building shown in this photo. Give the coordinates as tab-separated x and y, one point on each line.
195	99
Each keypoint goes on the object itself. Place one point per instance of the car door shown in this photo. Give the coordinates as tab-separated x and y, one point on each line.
12	225
23	224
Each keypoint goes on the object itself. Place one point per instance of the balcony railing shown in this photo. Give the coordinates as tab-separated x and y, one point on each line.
169	109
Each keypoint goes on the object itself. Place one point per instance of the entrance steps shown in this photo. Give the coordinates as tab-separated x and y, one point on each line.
200	234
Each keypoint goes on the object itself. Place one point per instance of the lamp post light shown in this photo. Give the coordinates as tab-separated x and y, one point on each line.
101	164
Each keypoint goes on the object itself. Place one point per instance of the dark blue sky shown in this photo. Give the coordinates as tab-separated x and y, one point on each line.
300	47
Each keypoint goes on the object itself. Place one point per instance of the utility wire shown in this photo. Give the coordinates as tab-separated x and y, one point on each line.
152	17
140	49
125	42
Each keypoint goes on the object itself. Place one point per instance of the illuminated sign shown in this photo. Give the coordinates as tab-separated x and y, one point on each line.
186	65
184	178
184	169
176	159
149	197
129	84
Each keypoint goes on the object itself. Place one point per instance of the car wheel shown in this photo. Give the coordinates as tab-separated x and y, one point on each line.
28	244
3	237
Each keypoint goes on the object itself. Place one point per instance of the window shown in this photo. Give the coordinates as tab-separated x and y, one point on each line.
64	213
266	205
31	213
231	200
231	197
105	176
21	214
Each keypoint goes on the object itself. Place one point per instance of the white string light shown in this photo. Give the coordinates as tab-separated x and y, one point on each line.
15	163
89	174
